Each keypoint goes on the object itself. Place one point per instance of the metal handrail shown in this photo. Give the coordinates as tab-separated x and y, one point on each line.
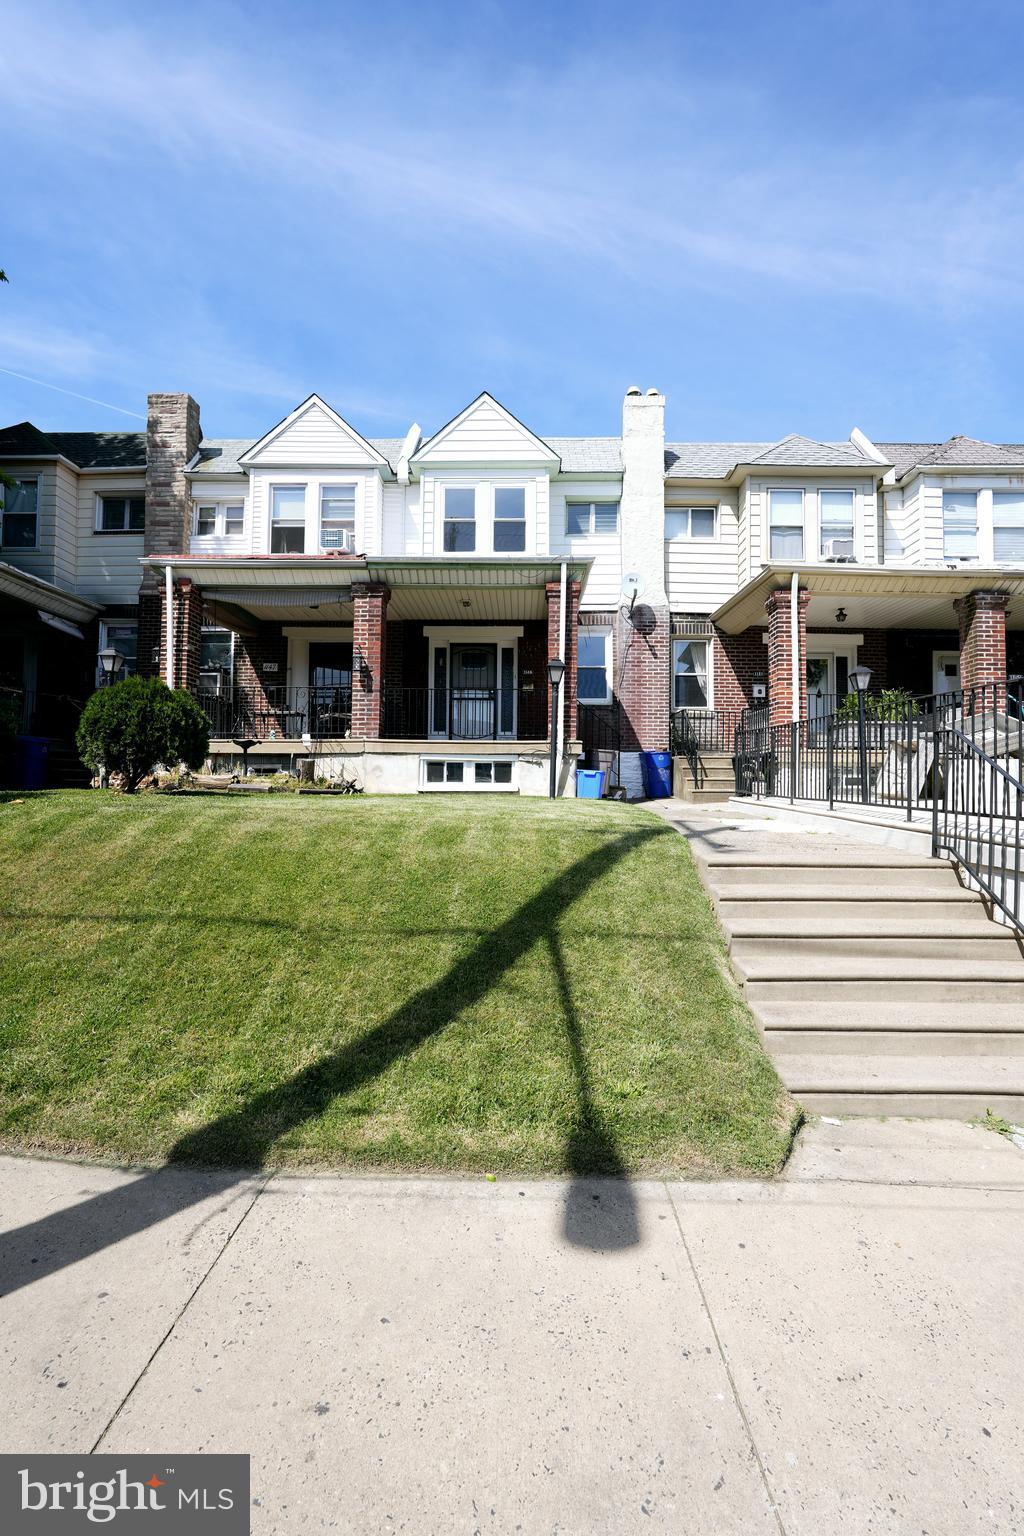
973	783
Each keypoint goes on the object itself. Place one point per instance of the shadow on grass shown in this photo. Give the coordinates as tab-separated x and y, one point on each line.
595	1216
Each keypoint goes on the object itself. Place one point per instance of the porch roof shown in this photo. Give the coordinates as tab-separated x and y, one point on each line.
874	596
296	588
45	597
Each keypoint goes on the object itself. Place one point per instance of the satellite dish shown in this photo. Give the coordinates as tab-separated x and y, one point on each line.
633	586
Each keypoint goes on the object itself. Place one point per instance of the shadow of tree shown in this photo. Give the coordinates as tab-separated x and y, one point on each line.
242	1140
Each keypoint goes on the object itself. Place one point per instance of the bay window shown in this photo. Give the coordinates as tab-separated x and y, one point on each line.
459	520
594	666
1008	525
19	505
509	519
960	525
691	687
786	525
288	520
338	517
836	531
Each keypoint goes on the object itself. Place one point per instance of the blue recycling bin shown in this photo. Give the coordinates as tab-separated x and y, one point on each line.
30	762
656	770
589	783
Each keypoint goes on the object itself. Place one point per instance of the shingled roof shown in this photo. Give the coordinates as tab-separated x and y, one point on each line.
970	452
716	461
89	450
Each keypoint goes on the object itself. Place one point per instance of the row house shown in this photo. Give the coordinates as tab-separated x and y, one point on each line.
398	605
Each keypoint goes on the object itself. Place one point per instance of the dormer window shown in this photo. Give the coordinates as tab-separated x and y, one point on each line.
338	517
1008	526
459	520
288	520
836	531
786	525
960	525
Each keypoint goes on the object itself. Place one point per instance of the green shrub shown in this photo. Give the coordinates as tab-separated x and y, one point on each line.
131	726
890	704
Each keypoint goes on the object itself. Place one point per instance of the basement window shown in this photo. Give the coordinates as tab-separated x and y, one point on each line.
472	774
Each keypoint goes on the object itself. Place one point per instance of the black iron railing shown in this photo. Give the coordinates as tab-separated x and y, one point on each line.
465	714
693	732
881	750
277	713
976	818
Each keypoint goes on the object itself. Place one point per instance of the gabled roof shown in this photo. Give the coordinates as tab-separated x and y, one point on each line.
959	451
484	404
89	450
796	450
314	403
718	461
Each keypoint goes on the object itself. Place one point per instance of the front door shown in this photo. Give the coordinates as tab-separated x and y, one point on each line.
946	671
474	671
820	685
330	687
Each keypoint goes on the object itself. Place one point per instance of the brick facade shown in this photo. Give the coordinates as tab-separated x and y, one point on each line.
780	655
642	676
738	662
982	617
369	642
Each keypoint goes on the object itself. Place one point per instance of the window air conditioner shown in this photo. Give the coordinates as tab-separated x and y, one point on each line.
837	550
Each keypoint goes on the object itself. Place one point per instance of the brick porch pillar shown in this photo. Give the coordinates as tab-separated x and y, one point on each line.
982	619
567	691
780	655
188	631
369	641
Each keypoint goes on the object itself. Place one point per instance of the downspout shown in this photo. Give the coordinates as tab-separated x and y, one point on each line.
169	605
561	656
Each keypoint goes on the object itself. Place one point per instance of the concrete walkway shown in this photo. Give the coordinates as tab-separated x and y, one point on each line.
833	1352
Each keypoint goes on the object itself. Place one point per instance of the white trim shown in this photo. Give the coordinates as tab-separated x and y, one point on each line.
220	505
609	664
247	457
547	455
935	668
690	507
705	640
768	491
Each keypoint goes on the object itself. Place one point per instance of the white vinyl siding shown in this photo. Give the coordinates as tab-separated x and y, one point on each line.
314	438
604	584
701	573
484	435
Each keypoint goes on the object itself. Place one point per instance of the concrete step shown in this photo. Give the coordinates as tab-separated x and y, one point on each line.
798	1016
891	960
824	858
949	1086
943	893
892	1042
869	924
706	795
1006	989
938	906
932	874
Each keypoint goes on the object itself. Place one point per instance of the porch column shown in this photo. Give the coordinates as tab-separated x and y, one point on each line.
567	691
187	603
369	643
781	681
982	618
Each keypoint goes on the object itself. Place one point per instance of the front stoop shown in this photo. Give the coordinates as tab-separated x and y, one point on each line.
880	985
716	779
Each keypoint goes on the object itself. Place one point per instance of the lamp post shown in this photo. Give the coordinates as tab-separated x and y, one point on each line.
556	671
111	661
858	680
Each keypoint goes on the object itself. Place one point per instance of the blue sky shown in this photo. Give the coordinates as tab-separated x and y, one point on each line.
787	216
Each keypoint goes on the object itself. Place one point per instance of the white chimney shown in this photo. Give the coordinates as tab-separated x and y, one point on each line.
642	509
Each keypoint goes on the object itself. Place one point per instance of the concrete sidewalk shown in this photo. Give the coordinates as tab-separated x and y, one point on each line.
834	1352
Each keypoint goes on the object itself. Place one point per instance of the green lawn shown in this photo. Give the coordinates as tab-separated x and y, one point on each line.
479	984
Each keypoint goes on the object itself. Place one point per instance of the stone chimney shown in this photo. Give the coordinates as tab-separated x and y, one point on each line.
173	435
642	509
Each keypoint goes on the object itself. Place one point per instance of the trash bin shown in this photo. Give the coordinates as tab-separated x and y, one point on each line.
30	762
656	769
589	783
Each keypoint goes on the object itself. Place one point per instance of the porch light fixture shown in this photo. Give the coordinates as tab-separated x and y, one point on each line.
859	678
111	661
840	615
556	671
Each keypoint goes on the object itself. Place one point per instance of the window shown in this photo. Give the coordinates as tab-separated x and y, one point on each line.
20	503
786	525
124	638
288	520
459	520
467	774
509	519
1008	525
690	683
223	520
338	517
591	517
216	650
960	525
593	671
836	532
690	522
120	514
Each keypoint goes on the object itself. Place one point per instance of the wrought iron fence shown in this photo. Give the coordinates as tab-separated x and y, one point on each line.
465	714
977	817
277	713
